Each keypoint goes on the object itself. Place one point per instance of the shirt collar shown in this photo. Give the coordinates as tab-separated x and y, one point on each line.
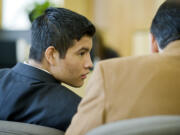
26	62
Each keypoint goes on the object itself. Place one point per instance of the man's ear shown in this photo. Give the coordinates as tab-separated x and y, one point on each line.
50	55
154	44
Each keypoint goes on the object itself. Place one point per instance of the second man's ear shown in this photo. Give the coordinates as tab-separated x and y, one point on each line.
154	44
50	55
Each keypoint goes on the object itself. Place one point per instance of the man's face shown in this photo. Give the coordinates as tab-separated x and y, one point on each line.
73	69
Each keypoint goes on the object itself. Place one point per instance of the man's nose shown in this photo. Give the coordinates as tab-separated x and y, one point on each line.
89	63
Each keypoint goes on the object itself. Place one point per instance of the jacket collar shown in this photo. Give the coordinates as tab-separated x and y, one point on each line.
34	73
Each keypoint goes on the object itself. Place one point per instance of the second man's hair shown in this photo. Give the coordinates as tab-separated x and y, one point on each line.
166	23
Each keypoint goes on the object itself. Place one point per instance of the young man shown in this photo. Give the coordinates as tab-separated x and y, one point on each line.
132	87
32	92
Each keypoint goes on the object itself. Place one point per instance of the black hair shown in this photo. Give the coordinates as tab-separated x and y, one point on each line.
166	24
58	27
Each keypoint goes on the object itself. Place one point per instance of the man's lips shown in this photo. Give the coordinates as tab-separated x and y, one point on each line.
84	76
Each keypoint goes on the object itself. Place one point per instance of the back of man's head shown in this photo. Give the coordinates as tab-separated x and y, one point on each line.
166	23
58	27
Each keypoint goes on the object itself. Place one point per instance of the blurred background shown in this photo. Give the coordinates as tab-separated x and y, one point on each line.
123	26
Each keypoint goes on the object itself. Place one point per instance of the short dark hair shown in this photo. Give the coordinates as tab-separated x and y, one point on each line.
58	27
166	23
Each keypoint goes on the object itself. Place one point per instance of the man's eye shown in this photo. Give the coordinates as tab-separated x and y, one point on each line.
82	53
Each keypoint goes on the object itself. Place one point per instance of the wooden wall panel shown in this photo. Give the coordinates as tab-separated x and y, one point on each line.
120	19
84	7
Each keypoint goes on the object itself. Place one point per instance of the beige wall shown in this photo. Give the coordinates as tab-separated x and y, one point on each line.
120	19
84	7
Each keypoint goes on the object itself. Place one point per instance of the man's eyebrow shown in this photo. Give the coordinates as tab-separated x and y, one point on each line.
84	49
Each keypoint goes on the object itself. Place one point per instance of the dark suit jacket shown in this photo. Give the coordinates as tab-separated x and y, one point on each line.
30	95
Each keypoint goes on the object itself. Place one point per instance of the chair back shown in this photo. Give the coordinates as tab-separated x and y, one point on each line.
155	125
18	128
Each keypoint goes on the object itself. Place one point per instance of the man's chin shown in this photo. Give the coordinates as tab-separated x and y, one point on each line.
75	84
78	84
